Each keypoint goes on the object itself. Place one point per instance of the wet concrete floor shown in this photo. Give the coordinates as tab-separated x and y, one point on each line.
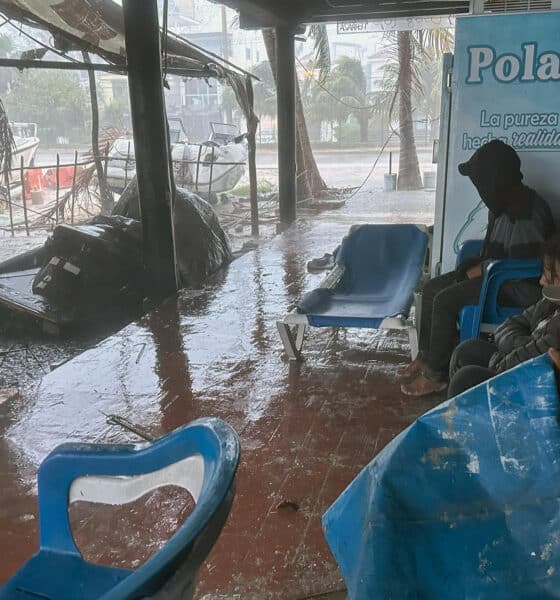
305	433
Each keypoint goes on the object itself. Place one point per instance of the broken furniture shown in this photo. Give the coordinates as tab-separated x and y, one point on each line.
462	504
201	457
82	273
485	316
377	270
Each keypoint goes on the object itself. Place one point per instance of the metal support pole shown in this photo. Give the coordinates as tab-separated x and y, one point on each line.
286	100
151	144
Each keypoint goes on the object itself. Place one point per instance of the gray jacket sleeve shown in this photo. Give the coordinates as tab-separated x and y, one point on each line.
539	342
515	332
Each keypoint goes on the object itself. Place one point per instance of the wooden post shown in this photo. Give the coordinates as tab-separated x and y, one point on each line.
106	196
151	144
106	159
286	103
23	198
253	183
74	186
126	164
57	187
198	167
211	174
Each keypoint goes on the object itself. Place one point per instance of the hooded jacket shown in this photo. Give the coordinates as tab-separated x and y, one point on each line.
526	336
519	220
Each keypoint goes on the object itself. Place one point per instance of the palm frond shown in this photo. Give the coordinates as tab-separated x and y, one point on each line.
320	37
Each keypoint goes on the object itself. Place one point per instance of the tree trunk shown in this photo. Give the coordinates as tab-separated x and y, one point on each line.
309	180
409	171
316	182
364	123
106	196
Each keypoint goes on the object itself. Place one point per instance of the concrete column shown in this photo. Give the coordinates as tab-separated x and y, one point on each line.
286	99
151	145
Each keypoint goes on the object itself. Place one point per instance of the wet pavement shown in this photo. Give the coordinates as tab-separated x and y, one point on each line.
305	433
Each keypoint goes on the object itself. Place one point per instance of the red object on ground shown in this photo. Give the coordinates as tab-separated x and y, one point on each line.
34	181
65	177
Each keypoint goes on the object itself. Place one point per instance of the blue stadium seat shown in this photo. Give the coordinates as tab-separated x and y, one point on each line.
201	457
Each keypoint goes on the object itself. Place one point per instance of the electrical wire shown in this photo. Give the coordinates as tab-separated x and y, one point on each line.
359	188
325	89
354	106
393	132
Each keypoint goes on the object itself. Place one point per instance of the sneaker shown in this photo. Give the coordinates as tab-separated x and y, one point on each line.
422	386
324	263
416	367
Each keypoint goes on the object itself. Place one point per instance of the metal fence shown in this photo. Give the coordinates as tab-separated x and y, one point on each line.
39	197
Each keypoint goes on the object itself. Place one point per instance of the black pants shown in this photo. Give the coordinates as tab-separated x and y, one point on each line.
469	366
442	299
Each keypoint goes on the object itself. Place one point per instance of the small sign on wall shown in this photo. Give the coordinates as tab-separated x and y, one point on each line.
394	24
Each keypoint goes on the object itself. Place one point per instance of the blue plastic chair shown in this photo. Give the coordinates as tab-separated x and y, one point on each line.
488	314
201	457
377	270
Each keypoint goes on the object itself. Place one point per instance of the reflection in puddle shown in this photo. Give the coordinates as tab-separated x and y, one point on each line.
126	536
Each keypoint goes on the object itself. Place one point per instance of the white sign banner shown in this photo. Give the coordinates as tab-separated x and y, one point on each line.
506	81
394	24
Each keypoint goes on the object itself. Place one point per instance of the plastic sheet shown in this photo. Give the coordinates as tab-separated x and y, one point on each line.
465	503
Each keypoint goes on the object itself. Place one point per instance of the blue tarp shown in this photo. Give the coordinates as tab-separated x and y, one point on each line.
383	264
465	503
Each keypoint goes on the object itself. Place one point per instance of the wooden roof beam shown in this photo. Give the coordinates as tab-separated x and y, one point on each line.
385	11
258	14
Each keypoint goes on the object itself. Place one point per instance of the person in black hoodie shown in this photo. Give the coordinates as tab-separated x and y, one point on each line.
519	221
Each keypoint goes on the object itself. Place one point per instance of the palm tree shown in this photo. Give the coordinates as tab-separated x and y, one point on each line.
264	92
342	94
407	56
409	169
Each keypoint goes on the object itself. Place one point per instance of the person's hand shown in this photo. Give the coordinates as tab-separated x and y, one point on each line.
555	356
474	272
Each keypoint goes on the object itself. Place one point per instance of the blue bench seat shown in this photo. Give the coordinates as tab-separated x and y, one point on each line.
377	270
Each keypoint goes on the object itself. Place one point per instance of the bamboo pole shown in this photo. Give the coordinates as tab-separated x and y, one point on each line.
57	186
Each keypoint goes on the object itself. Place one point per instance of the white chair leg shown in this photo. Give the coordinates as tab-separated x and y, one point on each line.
413	340
288	341
300	335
